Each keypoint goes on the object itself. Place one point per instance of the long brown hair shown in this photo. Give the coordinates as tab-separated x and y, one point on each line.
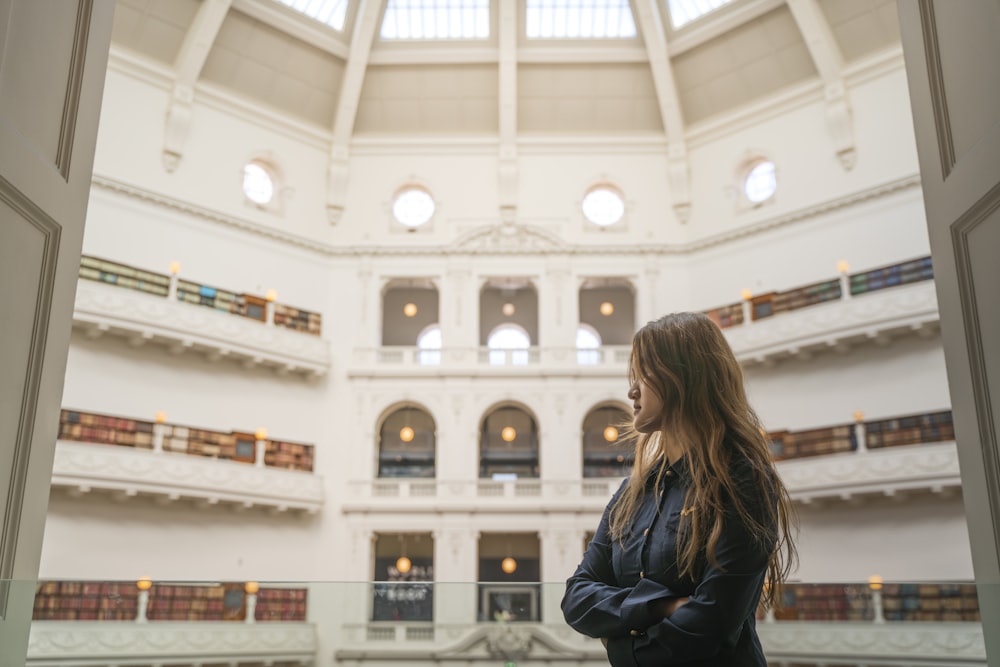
686	361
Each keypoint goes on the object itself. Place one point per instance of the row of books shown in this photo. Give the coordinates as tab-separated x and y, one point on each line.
773	303
118	601
233	445
908	430
158	284
900	602
889	276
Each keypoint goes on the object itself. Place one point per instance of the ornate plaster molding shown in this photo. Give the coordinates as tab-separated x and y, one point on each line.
181	326
527	642
67	643
544	244
908	643
128	472
509	238
881	471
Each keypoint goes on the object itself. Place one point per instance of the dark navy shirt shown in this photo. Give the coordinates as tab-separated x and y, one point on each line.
611	593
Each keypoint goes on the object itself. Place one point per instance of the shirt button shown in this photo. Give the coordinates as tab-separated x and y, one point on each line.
642	575
634	633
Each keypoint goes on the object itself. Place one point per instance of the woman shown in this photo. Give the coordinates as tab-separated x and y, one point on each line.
676	570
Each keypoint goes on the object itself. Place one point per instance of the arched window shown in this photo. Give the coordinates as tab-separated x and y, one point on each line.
429	344
508	444
407	444
508	343
604	455
588	346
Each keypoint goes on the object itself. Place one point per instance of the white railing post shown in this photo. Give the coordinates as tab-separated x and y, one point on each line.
860	432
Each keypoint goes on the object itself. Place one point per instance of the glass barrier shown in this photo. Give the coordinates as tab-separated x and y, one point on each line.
413	622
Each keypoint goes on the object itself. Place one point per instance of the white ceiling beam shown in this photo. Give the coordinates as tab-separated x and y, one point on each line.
190	60
829	63
488	54
719	23
507	31
347	105
295	24
651	24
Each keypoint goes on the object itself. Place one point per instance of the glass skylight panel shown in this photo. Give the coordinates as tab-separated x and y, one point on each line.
683	12
579	19
436	19
330	12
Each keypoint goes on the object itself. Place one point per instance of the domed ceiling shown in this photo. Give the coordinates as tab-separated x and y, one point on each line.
356	81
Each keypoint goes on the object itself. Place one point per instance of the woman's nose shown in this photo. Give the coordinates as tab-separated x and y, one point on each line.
633	391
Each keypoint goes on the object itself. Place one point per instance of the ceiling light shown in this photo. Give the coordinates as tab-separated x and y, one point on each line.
406	434
610	434
410	309
607	308
508	433
403	564
507	309
508	565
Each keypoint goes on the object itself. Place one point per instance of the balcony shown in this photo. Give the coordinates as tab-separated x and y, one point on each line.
125	472
142	318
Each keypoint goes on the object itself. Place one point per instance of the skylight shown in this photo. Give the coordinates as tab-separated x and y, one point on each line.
436	19
329	12
683	12
579	19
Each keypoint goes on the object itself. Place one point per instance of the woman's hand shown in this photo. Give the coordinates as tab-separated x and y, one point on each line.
665	608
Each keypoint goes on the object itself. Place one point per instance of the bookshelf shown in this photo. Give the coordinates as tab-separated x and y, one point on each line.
118	601
78	426
190	292
901	602
897	431
769	304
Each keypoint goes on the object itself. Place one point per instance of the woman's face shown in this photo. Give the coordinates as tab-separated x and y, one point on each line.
647	407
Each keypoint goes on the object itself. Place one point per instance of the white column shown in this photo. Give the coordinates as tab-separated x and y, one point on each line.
456	559
459	315
557	304
561	552
647	306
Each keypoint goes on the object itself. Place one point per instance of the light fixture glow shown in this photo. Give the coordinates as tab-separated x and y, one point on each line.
859	416
260	433
144	584
160	417
843	266
508	565
410	309
271	295
251	587
403	564
406	434
746	294
610	434
508	433
875	582
175	268
507	309
607	308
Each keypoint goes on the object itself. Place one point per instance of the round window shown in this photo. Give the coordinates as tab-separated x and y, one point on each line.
760	183
258	185
603	206
413	207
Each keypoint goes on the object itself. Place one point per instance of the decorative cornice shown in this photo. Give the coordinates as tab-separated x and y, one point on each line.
457	249
66	643
170	476
889	643
509	238
802	214
182	326
211	215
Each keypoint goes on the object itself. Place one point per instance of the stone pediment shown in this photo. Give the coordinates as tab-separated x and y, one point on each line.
510	238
